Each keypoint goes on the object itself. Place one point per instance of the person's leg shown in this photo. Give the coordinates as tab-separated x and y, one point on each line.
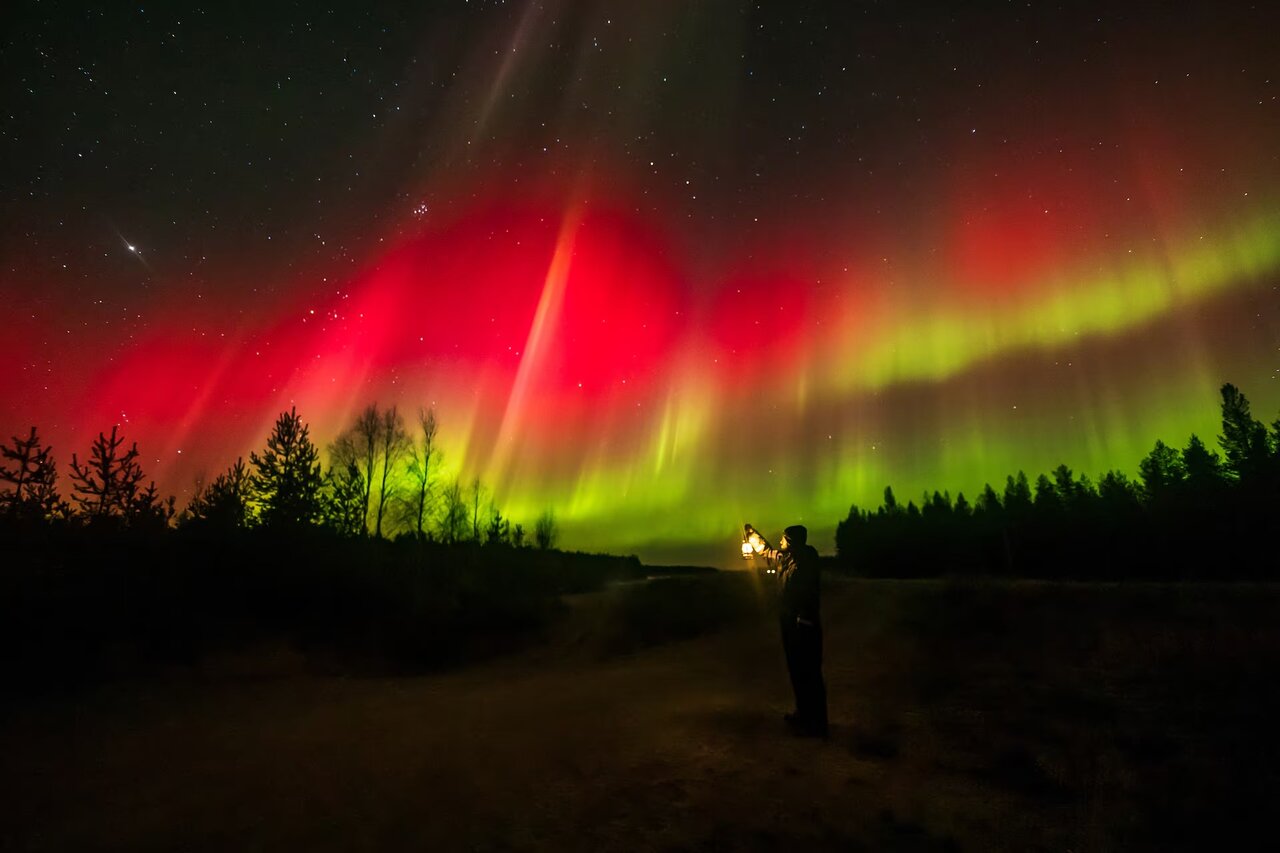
817	686
811	692
795	665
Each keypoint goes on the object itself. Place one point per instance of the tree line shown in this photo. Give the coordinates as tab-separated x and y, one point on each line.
383	479
1192	512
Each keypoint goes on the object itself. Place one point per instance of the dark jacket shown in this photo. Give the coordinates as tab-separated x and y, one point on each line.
799	582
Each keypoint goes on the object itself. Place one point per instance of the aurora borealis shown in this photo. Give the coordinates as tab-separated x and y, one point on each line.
662	267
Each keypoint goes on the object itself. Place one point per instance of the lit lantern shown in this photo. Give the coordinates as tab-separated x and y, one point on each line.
752	542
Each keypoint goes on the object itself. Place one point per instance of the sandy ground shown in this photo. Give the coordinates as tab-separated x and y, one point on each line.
680	746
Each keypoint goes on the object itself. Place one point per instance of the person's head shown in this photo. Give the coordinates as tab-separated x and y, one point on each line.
794	536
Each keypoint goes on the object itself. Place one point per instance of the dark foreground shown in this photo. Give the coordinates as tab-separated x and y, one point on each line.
974	717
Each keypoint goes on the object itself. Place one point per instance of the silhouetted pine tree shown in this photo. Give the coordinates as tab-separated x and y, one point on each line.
225	503
1244	438
989	501
1162	472
108	485
1205	475
499	530
1191	516
286	479
935	507
1086	491
32	477
149	510
343	499
850	533
1047	501
890	502
1064	484
1118	494
1017	495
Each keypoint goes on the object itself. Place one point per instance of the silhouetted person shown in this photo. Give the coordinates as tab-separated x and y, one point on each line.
799	586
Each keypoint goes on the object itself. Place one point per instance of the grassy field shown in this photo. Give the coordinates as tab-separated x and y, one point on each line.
966	716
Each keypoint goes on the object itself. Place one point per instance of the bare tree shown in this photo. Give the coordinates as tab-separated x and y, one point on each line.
392	445
477	493
344	452
453	516
364	441
423	456
546	531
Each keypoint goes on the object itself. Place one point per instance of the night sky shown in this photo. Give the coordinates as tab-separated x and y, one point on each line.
665	267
